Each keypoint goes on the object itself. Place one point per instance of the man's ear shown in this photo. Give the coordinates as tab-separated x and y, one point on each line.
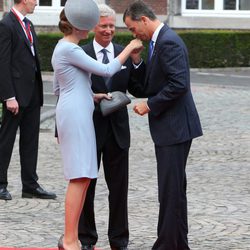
144	19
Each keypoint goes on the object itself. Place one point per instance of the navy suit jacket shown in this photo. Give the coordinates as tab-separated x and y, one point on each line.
19	69
173	117
119	120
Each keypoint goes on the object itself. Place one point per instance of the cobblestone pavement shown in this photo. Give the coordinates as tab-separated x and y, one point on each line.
218	182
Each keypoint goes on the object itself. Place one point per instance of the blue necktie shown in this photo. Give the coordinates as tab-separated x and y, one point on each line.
26	21
150	50
105	60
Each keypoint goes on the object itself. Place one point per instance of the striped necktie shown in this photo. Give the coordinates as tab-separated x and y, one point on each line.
105	60
27	29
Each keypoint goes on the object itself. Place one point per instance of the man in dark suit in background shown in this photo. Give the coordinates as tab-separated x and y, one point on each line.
21	92
173	119
112	138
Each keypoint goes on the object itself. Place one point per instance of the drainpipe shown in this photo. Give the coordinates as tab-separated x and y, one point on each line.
173	9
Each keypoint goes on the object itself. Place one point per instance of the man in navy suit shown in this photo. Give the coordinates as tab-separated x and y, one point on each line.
21	92
112	138
173	119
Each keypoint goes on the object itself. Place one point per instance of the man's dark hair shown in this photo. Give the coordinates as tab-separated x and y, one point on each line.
138	9
17	1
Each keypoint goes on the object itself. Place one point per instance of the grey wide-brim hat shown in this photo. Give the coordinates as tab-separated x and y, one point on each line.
82	14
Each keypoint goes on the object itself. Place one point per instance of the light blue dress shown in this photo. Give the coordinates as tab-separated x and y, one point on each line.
74	110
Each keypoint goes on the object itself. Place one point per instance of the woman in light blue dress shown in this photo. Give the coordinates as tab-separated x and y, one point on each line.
72	83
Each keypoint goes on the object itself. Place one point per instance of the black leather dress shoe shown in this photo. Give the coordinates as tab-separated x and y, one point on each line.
4	194
38	193
88	247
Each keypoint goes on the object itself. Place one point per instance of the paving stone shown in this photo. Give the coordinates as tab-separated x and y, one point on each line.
218	173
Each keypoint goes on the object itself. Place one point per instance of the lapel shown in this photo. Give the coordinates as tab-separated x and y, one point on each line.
20	31
89	49
97	80
34	37
155	52
117	50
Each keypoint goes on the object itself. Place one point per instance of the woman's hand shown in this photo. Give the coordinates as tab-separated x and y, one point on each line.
136	45
98	97
136	55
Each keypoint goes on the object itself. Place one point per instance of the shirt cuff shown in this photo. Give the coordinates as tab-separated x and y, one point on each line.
136	66
10	99
148	106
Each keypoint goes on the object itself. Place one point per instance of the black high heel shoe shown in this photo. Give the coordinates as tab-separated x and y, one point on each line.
60	243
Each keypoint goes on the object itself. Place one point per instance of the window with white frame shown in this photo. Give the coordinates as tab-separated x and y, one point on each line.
226	7
236	5
56	3
47	11
51	3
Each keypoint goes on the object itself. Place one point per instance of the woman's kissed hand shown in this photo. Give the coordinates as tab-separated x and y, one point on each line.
136	45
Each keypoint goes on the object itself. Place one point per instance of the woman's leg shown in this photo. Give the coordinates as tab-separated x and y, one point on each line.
75	197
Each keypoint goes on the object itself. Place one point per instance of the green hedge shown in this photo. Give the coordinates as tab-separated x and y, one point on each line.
212	49
47	42
207	49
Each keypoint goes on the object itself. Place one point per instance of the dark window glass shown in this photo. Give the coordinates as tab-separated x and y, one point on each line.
63	2
207	4
229	4
192	4
45	3
244	5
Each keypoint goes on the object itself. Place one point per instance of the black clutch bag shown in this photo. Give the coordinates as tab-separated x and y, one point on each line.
118	101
